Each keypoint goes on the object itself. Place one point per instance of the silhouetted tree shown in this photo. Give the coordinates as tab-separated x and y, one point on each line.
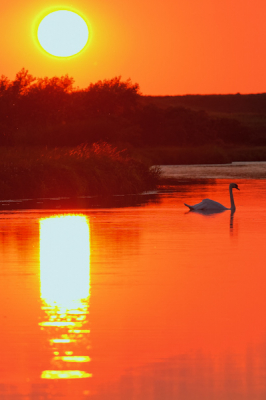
111	96
22	83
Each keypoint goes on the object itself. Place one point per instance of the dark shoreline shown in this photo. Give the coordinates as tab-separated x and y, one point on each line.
78	204
99	172
193	155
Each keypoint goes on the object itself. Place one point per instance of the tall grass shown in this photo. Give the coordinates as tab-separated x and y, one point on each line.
35	172
101	169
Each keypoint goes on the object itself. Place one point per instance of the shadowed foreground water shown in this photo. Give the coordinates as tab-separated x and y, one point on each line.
147	302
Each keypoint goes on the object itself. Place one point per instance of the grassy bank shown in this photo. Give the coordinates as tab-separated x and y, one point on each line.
82	171
208	154
101	169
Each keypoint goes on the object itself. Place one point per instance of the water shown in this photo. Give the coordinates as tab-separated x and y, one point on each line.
144	302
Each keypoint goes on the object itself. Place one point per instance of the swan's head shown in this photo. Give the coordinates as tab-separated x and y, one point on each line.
234	186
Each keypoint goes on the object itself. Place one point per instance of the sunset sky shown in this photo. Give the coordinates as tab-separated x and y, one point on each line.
169	47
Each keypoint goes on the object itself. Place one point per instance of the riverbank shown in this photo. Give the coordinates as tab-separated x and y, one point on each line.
207	154
101	169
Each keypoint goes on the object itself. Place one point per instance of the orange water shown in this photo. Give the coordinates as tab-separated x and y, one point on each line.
150	302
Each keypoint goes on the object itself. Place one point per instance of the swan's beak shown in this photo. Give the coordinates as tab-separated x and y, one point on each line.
237	188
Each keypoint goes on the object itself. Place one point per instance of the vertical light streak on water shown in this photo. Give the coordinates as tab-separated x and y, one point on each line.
65	291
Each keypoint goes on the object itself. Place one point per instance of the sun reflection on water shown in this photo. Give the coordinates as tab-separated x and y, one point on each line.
65	292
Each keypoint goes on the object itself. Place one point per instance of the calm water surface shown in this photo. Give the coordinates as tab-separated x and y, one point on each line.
150	302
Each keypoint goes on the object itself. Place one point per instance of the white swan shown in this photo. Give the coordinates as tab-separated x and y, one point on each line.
207	204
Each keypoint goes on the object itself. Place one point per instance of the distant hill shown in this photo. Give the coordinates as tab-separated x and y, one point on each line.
216	103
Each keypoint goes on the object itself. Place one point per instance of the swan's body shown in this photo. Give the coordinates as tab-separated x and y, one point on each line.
207	204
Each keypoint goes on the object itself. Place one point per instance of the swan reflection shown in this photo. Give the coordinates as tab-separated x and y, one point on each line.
65	291
206	212
212	213
232	223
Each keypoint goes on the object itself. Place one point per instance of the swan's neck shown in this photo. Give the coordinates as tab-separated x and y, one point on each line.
233	207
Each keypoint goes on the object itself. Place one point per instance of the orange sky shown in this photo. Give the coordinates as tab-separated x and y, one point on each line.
169	47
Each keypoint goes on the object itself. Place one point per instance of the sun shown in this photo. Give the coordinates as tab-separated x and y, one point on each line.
63	33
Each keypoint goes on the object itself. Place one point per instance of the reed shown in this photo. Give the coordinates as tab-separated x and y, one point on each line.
101	169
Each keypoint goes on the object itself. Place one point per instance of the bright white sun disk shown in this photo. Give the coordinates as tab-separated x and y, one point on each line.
63	33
